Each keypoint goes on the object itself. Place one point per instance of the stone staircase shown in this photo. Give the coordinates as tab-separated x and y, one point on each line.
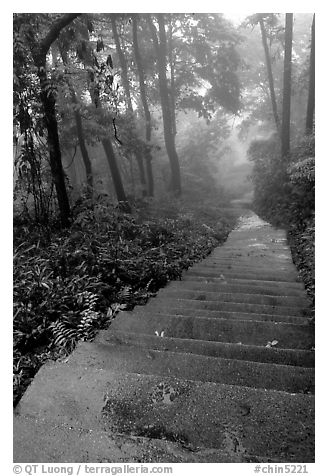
218	367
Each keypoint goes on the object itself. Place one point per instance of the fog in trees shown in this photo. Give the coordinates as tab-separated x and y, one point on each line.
138	138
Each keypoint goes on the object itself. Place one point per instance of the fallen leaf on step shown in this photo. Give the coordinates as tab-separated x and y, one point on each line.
272	343
159	334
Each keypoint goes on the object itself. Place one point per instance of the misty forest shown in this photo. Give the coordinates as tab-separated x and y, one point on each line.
139	139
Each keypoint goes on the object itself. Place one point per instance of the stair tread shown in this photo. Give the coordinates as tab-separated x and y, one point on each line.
298	357
236	297
215	329
189	311
132	359
202	414
65	444
254	282
165	302
238	288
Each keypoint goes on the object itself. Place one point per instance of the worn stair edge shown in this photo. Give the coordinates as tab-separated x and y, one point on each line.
297	357
235	266
238	288
248	245
217	257
227	306
207	295
250	263
249	275
221	330
249	260
41	441
132	359
272	423
290	286
243	316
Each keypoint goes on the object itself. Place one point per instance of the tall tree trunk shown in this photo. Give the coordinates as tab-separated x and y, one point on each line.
111	158
142	86
116	175
57	172
270	75
160	48
123	64
39	52
311	97
126	86
172	79
83	147
79	129
285	133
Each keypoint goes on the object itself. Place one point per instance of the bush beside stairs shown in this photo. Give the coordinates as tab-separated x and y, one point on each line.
218	367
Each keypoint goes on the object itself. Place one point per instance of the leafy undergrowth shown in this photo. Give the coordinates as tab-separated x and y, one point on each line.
302	248
69	284
284	195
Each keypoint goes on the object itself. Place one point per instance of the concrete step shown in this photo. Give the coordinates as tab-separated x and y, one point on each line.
282	258
243	316
271	423
248	244
42	441
183	292
254	268
249	275
284	261
250	255
289	336
274	355
132	359
290	286
219	255
167	302
239	252
297	295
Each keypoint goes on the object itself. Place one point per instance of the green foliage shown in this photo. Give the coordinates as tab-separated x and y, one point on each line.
284	195
205	54
68	284
283	191
271	185
302	242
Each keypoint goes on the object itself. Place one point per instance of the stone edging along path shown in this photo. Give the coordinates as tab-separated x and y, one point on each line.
218	367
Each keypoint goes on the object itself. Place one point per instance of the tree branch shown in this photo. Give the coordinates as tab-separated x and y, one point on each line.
55	30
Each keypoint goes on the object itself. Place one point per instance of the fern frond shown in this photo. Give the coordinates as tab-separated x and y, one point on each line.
65	336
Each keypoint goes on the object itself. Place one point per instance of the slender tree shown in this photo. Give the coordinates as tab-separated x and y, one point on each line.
126	87
285	133
172	76
311	97
110	154
159	43
269	70
40	49
143	95
116	175
79	127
